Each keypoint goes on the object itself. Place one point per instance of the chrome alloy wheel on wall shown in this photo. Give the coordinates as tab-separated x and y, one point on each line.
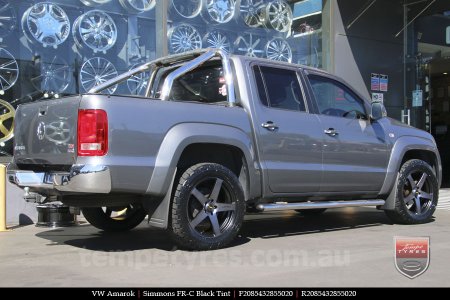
251	12
187	8
138	6
8	20
7	113
279	49
184	38
217	39
96	30
96	71
9	70
54	75
249	45
219	11
46	23
278	16
137	84
94	2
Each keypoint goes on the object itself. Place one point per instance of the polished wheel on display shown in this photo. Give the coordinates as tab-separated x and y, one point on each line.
9	70
138	6
46	23
7	114
217	39
219	11
278	16
96	71
251	11
8	19
187	8
249	45
94	2
55	75
278	49
137	84
95	29
183	38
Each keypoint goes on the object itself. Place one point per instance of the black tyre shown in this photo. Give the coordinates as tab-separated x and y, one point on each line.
311	212
207	208
115	218
417	193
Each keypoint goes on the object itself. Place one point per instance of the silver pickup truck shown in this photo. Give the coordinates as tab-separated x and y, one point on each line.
214	136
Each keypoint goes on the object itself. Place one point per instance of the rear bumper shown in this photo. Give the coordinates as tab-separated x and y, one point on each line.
80	179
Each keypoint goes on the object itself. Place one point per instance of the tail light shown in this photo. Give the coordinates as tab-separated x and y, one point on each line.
92	132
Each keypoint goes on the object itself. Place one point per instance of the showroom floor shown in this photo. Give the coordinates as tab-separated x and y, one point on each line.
343	247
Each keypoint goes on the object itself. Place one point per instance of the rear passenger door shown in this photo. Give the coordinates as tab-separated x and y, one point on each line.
289	138
355	152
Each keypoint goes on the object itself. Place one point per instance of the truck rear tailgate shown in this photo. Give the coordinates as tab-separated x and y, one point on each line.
45	133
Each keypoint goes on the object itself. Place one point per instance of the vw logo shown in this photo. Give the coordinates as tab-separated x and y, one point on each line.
41	131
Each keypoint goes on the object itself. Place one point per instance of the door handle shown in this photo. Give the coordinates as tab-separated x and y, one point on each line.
331	132
269	125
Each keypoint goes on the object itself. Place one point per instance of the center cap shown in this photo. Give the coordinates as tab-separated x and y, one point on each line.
210	207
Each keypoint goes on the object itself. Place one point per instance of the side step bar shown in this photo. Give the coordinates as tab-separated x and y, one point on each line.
315	205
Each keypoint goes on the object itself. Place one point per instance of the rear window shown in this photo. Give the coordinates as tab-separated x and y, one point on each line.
205	84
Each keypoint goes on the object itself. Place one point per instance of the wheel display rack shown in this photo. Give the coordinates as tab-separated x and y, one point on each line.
256	28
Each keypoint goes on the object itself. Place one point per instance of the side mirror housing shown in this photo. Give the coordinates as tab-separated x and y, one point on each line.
378	111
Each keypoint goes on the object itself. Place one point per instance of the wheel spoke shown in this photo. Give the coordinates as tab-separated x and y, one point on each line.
199	196
215	224
225	207
426	195
411	181
409	200
422	180
198	218
418	205
4	130
216	190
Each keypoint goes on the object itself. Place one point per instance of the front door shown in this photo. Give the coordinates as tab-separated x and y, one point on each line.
289	137
355	152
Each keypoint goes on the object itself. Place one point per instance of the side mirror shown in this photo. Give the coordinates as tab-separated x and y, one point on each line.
377	111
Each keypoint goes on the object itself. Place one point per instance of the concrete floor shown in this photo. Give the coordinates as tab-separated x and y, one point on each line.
343	247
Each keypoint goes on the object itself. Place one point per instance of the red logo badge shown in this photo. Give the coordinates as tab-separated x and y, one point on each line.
412	255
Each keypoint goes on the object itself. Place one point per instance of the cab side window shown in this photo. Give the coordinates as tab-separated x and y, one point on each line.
279	88
335	99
